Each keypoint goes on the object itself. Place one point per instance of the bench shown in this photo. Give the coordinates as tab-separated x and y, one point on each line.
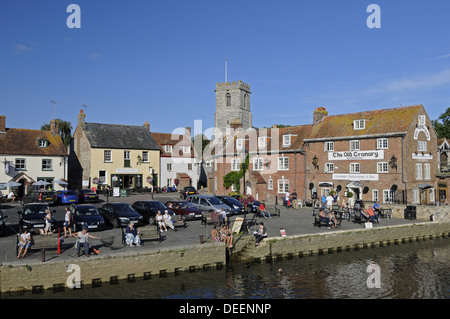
210	219
318	222
40	242
178	221
385	213
149	232
358	218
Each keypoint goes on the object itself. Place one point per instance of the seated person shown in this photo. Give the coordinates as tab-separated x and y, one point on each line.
323	216
132	236
260	234
215	235
168	220
226	235
262	209
11	196
333	219
83	240
376	207
364	214
373	217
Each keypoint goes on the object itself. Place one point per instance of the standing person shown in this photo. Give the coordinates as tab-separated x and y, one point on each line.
287	200
323	200
25	242
67	222
260	234
132	236
168	220
160	221
83	239
48	222
223	215
329	201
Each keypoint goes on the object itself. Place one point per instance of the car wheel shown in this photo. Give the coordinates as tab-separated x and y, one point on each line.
152	220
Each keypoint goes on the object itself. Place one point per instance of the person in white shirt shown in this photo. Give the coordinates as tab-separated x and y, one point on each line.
25	242
329	201
168	220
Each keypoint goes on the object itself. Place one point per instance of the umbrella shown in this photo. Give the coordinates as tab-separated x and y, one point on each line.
41	183
12	184
60	182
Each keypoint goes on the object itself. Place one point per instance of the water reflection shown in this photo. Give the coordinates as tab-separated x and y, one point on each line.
413	270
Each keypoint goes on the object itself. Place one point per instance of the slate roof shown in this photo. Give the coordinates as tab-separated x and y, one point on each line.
378	122
119	136
25	142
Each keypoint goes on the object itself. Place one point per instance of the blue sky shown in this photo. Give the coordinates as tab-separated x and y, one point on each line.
159	61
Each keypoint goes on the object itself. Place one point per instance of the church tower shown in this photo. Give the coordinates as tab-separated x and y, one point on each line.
232	105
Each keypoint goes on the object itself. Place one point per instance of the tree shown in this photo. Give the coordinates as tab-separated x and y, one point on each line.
442	124
64	131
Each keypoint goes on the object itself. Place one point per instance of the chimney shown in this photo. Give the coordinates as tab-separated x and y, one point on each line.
54	127
2	124
187	132
81	119
319	114
147	125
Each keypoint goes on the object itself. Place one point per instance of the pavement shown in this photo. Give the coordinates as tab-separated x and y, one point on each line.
294	222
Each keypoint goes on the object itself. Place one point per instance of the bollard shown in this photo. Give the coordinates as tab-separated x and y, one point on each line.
43	255
201	239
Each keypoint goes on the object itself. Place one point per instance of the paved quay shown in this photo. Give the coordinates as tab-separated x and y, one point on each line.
294	222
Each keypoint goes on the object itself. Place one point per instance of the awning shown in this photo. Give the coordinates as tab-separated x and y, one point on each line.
325	184
425	186
355	184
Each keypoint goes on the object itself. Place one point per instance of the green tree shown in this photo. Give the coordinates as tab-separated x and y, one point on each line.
65	131
442	124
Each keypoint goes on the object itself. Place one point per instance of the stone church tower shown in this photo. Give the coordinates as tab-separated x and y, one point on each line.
232	105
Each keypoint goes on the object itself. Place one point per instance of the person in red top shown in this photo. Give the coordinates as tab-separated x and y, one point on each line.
373	217
262	208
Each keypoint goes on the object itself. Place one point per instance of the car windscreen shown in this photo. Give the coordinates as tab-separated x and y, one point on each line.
156	205
87	211
69	193
123	208
35	209
215	201
87	191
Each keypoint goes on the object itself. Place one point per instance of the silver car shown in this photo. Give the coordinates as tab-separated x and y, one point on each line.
206	203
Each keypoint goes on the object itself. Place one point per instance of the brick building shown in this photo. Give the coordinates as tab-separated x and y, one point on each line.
383	155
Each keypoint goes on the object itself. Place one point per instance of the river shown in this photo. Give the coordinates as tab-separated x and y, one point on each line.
418	270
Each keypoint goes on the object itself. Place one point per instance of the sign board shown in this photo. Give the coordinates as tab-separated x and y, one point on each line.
356	177
123	193
116	191
85	183
282	232
127	170
424	156
356	155
237	225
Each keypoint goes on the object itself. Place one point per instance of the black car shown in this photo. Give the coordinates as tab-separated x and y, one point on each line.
32	217
120	214
86	216
40	196
236	205
87	195
186	191
149	209
2	222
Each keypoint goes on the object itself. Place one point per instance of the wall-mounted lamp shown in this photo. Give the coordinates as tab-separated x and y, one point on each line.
393	162
139	160
315	160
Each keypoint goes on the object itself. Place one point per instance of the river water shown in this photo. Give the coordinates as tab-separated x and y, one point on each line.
419	270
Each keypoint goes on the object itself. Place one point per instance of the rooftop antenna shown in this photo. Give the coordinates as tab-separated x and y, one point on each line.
54	108
85	106
226	70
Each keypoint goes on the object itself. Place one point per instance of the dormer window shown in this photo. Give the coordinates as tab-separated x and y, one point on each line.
287	140
359	124
167	148
43	143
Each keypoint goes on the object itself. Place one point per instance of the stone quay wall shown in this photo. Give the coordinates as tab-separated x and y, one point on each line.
423	212
104	269
335	241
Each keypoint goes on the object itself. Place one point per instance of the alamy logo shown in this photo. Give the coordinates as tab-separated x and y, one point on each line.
374	280
74	20
74	280
374	20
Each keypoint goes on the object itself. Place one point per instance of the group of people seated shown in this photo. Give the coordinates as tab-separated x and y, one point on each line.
223	235
328	217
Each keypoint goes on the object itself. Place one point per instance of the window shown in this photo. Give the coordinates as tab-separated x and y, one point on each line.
375	197
382	143
189	166
421	119
236	164
418	171
359	124
102	177
145	157
42	143
169	182
421	146
388	196
107	156
426	171
228	99
283	185
270	183
415	199
169	167
47	165
239	144
286	140
283	163
324	191
354	145
186	149
21	164
329	146
126	159
382	167
329	167
261	142
354	167
167	148
258	163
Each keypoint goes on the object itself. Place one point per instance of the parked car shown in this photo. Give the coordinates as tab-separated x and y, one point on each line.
186	191
40	196
235	205
65	197
120	214
87	195
86	216
185	209
206	203
2	222
32	216
149	209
